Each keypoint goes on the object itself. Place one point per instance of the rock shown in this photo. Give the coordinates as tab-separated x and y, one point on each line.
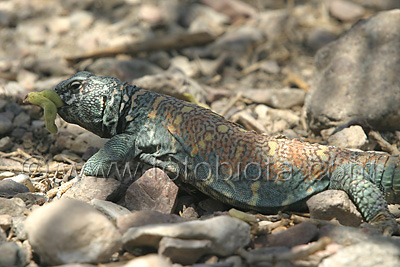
237	41
13	108
12	255
395	210
278	98
22	120
346	235
46	83
3	103
5	143
59	25
90	187
345	10
19	227
301	233
50	66
18	133
85	140
5	125
13	207
203	18
190	69
149	260
184	251
81	19
154	190
189	213
379	5
236	261
31	199
267	115
5	222
22	179
34	33
151	14
226	233
348	85
125	70
235	9
75	232
366	254
174	83
110	209
270	66
319	36
145	217
3	236
353	137
331	204
9	188
272	23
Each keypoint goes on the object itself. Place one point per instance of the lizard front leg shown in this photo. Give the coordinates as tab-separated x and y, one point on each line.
367	196
120	148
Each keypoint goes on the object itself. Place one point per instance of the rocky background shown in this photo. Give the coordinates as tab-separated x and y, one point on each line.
323	71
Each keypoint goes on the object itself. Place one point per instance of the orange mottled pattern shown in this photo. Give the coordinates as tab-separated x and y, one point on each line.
206	133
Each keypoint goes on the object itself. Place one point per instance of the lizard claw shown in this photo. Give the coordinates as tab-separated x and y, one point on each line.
385	223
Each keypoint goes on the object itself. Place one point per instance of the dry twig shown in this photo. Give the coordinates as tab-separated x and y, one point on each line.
163	43
294	254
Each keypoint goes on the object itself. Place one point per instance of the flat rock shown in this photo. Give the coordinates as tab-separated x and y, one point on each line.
366	254
145	217
154	190
226	234
9	188
110	209
184	251
345	10
296	235
331	204
357	76
13	207
90	187
353	137
71	231
149	260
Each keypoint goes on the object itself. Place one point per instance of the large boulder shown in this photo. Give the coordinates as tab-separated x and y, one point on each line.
358	76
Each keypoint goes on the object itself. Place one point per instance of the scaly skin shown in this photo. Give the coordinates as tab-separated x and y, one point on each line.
220	158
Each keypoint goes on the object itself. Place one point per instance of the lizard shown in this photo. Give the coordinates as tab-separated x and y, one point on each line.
218	157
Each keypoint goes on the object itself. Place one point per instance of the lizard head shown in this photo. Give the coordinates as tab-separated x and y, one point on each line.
90	101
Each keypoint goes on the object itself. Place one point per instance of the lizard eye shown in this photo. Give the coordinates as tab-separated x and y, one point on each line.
75	85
